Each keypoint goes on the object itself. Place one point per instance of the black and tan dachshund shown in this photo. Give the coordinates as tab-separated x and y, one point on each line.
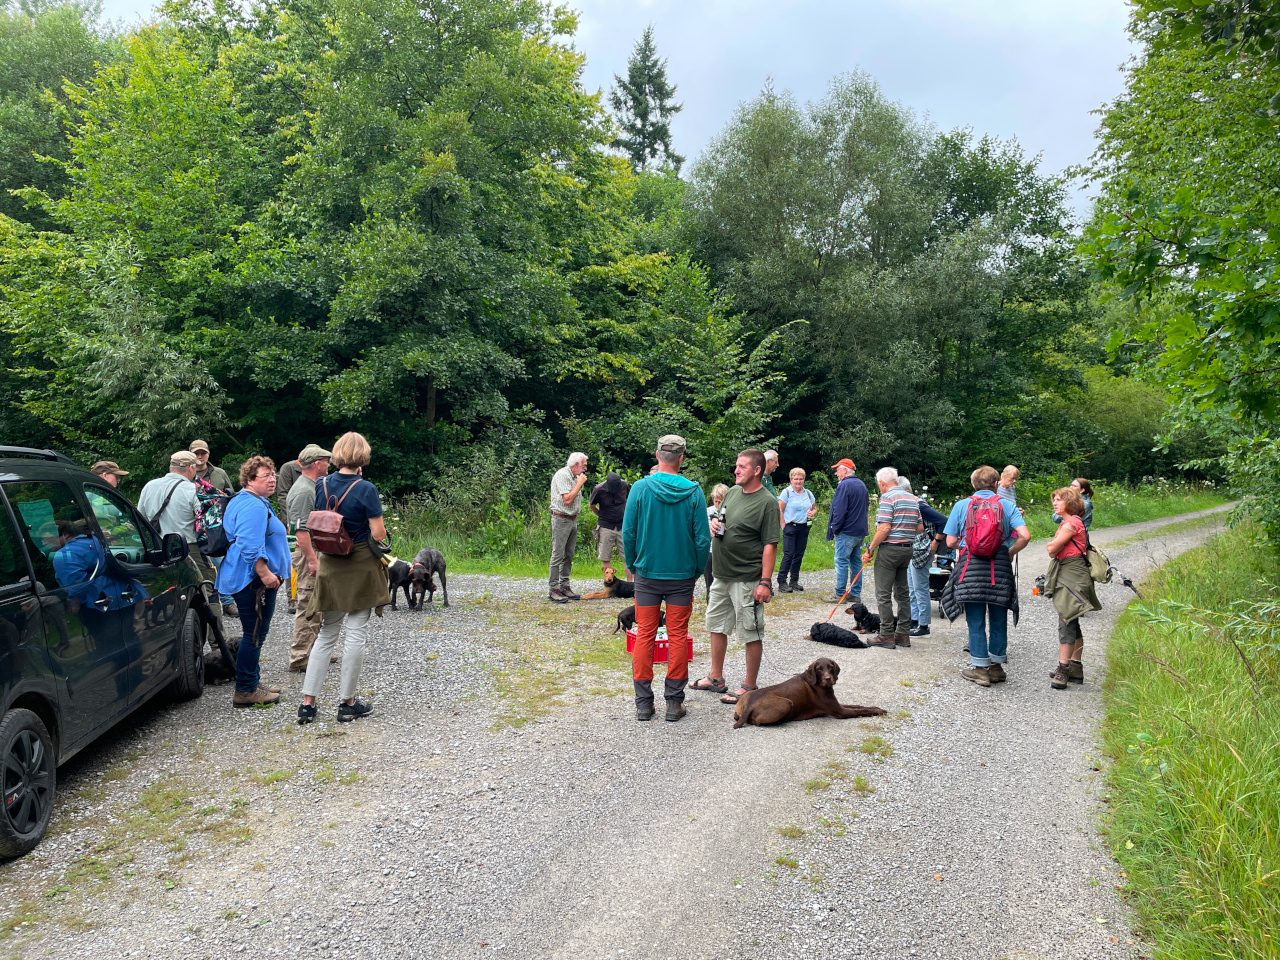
864	619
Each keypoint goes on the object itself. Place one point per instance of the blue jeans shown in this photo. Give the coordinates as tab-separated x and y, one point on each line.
254	624
921	605
976	615
849	553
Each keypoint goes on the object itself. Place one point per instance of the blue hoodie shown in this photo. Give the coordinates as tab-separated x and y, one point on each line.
665	535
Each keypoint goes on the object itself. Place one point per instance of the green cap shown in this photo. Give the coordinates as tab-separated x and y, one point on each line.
311	453
671	444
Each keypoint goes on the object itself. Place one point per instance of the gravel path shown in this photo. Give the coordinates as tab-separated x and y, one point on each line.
503	799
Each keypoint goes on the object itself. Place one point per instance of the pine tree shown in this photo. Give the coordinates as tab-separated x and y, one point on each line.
644	106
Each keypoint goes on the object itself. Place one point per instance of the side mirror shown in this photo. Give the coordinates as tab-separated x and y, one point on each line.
173	547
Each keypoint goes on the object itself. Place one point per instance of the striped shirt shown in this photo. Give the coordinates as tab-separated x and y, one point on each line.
901	511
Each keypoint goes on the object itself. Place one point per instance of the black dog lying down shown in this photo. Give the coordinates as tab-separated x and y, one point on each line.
802	697
627	619
864	619
824	632
426	565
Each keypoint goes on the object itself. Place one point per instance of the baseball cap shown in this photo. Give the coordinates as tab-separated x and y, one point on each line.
183	458
198	445
311	453
103	467
846	462
671	443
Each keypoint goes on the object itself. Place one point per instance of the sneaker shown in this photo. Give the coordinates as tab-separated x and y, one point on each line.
919	631
353	711
885	640
675	710
254	697
979	675
555	596
306	713
796	586
1060	677
1075	672
996	673
568	594
644	711
914	624
902	640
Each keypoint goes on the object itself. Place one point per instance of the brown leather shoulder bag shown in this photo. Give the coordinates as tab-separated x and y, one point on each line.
328	532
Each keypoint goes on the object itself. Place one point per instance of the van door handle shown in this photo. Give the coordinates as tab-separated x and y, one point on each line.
102	602
128	594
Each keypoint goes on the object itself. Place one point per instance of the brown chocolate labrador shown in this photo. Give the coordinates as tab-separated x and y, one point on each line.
803	697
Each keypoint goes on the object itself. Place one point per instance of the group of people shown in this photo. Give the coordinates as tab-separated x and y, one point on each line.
668	537
333	590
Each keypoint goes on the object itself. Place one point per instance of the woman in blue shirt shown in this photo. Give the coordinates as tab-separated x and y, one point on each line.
256	564
796	509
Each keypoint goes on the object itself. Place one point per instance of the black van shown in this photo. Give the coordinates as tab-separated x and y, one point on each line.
98	614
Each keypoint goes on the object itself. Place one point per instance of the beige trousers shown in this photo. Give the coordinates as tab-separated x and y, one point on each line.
305	629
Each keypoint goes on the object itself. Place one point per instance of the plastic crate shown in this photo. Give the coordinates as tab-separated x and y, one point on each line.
661	648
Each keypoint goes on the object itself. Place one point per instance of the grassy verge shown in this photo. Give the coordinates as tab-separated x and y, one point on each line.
1114	506
1193	727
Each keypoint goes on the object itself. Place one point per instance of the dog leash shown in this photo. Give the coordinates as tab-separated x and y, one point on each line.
861	569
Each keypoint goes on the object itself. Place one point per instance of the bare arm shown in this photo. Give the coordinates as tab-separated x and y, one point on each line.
308	551
782	512
762	593
882	531
1024	537
1060	539
572	495
377	528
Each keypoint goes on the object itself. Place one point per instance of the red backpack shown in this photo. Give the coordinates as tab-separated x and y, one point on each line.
984	526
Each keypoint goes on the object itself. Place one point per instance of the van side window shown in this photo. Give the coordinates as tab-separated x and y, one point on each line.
13	566
127	539
49	516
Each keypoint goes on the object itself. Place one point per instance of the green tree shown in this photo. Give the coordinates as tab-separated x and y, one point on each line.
644	104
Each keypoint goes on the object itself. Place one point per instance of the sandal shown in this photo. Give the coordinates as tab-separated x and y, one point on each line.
732	698
710	685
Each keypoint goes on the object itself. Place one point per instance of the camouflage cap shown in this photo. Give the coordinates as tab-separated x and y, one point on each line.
103	467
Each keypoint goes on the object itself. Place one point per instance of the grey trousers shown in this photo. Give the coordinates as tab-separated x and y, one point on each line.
564	543
892	561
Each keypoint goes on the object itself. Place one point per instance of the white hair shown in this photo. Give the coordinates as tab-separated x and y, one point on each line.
771	454
905	484
887	475
575	457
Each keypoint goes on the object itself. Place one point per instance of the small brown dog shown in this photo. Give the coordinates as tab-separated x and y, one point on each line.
613	587
803	697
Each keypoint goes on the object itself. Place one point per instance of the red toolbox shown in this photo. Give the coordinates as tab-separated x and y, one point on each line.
661	648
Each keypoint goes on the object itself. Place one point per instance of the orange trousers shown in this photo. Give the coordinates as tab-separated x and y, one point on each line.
677	636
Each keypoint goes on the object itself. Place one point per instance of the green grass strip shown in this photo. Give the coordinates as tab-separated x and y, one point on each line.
1194	808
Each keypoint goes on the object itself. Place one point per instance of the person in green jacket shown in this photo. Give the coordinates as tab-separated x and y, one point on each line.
666	539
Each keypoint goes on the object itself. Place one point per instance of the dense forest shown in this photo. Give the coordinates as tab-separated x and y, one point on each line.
268	223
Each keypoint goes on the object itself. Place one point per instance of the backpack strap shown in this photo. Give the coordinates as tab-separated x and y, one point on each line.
325	484
155	521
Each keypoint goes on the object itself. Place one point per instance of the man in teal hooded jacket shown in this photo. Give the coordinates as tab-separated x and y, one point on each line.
666	539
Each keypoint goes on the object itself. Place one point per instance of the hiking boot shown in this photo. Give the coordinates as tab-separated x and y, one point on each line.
902	640
796	586
675	710
886	640
920	632
996	673
306	713
568	594
230	610
644	711
1060	677
254	697
353	711
299	667
1075	672
834	598
555	596
979	675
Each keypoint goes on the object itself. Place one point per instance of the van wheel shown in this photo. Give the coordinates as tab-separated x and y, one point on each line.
189	682
29	781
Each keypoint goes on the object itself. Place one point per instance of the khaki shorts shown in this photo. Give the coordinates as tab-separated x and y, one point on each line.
608	539
732	608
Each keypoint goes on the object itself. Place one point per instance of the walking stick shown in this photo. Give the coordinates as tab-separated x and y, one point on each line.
846	590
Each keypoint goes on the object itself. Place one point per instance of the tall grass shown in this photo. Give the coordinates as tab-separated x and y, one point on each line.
1193	727
499	538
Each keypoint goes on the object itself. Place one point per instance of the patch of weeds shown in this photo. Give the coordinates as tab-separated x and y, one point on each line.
790	863
273	776
351	776
27	914
902	714
862	786
835	770
323	772
816	785
231	915
117	772
792	833
876	747
907	683
332	732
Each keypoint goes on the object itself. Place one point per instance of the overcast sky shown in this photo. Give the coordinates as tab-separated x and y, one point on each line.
1031	69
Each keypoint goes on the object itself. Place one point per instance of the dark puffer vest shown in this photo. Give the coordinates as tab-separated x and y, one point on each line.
980	580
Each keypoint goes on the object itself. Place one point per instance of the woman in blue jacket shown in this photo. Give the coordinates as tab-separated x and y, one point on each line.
256	564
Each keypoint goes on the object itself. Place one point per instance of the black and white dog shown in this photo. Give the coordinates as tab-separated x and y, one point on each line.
428	564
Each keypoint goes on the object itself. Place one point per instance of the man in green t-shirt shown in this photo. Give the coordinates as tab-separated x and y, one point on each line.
746	547
770	465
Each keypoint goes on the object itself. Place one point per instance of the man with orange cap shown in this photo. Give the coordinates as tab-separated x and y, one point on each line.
847	526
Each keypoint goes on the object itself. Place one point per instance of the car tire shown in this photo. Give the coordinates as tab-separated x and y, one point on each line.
30	776
189	683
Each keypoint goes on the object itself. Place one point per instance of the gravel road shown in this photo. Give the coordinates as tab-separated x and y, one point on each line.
502	799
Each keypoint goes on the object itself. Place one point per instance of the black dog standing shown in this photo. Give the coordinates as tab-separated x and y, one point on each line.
397	579
426	566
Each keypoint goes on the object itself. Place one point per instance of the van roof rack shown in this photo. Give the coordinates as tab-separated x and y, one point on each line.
34	454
